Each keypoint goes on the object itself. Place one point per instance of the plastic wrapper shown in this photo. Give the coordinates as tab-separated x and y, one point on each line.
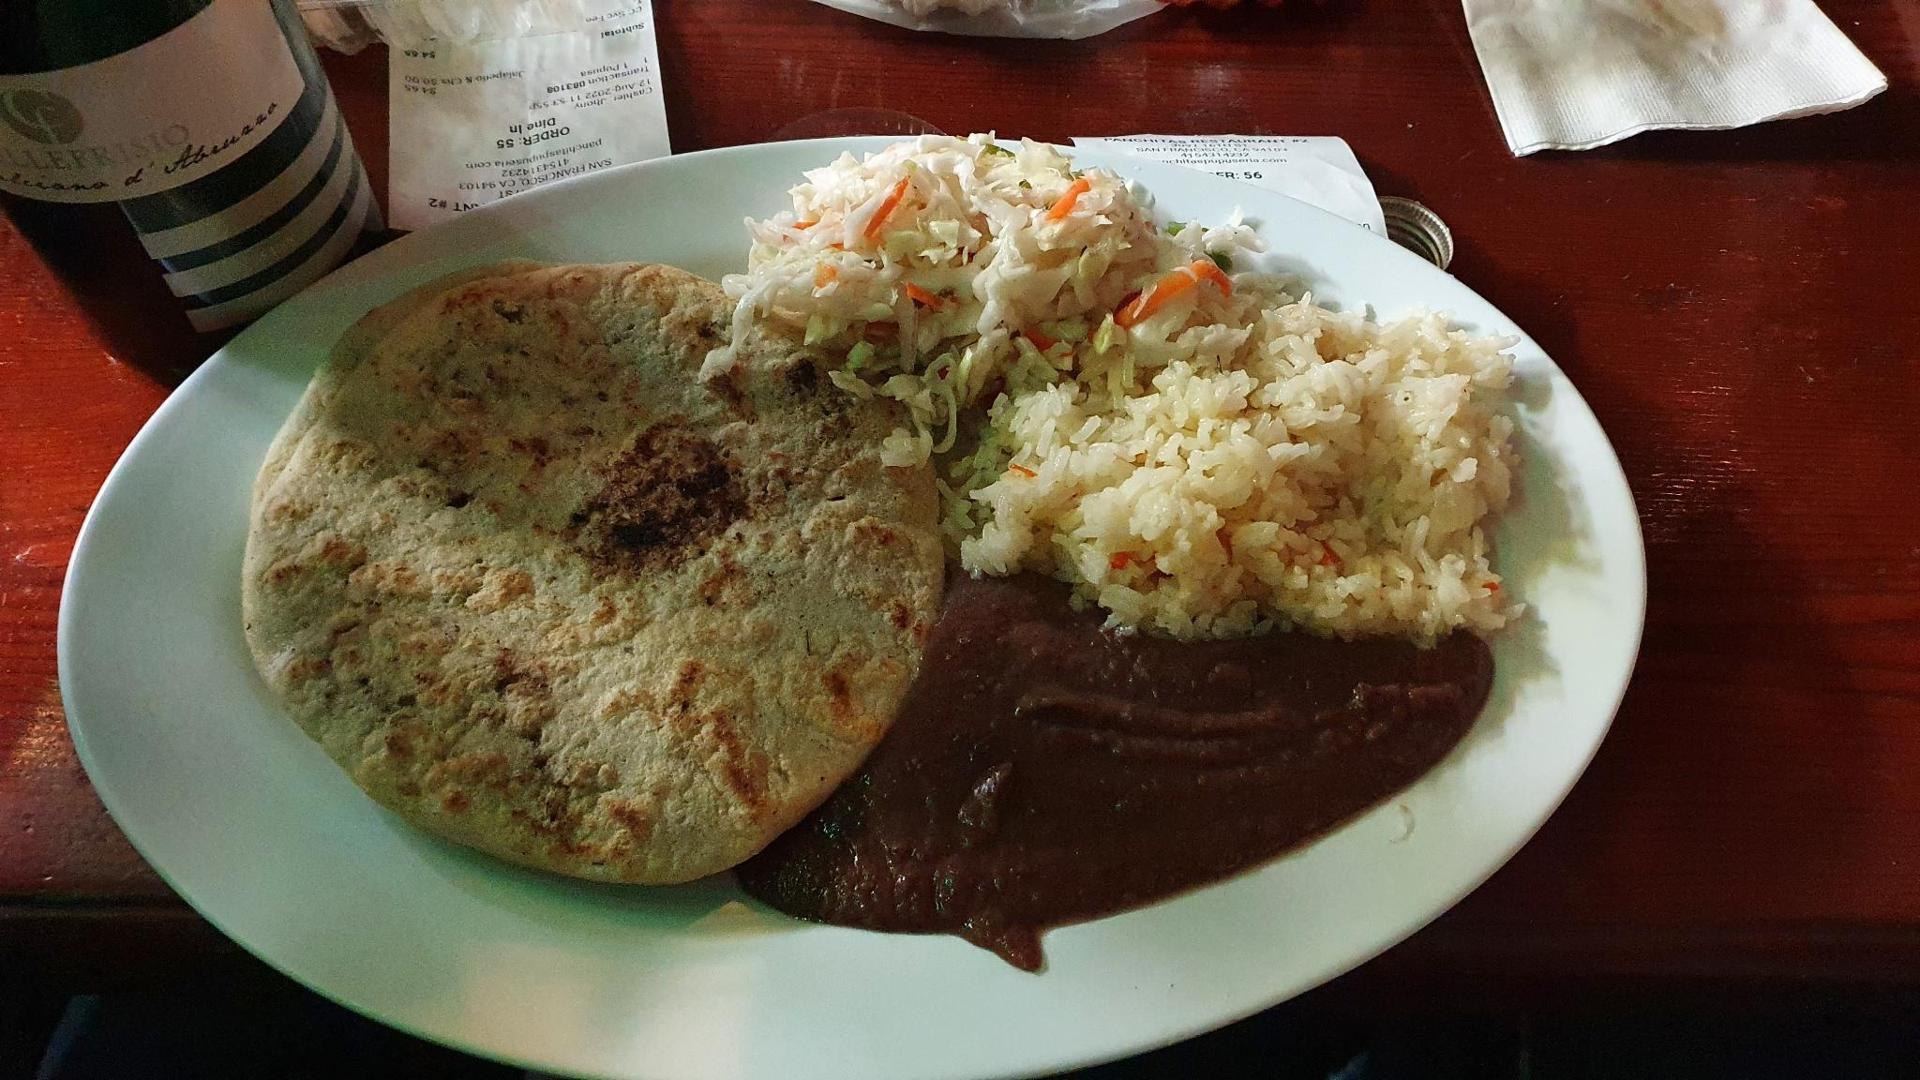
1020	18
351	25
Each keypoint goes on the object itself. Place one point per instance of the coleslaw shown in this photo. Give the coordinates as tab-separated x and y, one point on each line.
945	272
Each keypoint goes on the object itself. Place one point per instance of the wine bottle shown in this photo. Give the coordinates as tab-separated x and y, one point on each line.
209	123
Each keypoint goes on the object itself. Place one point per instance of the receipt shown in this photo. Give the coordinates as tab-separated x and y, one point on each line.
1318	170
475	122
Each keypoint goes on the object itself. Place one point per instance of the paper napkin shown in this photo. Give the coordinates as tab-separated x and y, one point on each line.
1576	74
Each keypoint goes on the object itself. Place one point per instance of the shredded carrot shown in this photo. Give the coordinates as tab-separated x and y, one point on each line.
1210	270
1120	560
922	297
1040	340
1149	302
808	224
1023	471
887	207
1327	557
1064	206
825	273
1179	281
1493	586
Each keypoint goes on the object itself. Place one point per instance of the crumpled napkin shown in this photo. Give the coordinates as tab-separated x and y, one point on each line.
997	18
1576	74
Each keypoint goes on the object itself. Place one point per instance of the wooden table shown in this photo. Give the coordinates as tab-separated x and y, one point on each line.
1742	310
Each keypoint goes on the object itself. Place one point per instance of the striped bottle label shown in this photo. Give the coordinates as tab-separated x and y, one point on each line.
236	171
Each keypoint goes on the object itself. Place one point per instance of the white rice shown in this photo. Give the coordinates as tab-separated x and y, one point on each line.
1331	474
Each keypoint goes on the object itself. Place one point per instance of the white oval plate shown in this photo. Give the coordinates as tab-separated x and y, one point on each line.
258	830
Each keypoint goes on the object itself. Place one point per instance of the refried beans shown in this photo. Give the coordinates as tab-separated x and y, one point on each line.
1043	770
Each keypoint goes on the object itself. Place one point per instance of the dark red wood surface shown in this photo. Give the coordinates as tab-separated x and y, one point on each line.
1742	309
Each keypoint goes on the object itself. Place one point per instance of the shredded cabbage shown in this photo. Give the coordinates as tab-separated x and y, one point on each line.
956	262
